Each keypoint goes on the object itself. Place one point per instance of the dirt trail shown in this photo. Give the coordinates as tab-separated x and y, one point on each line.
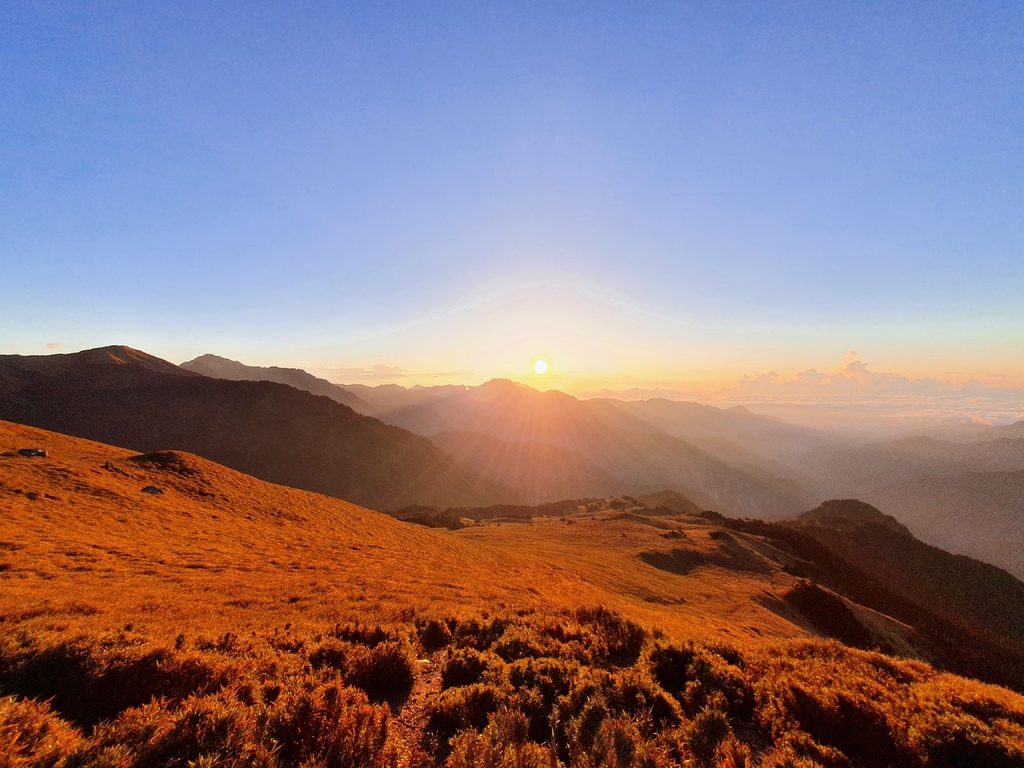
410	717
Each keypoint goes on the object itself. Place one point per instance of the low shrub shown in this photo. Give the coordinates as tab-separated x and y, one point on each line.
330	726
363	634
433	634
465	666
457	709
634	692
385	672
88	683
622	638
520	642
694	674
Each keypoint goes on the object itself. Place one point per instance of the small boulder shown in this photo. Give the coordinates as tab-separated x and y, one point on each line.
33	453
152	489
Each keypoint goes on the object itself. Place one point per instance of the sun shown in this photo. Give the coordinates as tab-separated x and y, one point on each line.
540	367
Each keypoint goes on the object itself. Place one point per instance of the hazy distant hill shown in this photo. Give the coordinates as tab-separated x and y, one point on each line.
974	433
222	368
634	453
884	548
967	497
854	470
980	514
269	430
735	434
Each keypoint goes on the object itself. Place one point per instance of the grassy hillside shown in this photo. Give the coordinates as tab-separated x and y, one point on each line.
269	430
222	620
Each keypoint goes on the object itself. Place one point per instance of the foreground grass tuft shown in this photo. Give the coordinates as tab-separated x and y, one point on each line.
513	691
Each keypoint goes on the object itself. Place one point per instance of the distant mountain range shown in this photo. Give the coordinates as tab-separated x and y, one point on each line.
505	443
222	368
548	445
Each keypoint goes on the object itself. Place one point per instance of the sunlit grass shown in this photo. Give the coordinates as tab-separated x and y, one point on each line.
228	622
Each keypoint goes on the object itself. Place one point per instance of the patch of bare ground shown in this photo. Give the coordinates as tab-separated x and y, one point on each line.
409	718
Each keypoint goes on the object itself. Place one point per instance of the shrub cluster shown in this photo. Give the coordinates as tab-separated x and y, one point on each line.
584	689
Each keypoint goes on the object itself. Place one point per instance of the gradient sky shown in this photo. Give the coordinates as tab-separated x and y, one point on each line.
649	194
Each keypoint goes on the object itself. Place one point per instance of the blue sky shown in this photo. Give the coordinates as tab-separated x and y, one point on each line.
643	192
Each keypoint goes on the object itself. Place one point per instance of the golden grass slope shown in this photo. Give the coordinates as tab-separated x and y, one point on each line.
217	546
79	536
230	622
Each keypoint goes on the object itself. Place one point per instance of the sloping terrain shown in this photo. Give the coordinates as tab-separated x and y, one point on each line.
271	431
78	521
222	368
636	455
159	609
966	497
882	547
538	472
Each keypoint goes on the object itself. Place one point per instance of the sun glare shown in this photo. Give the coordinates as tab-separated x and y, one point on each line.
540	367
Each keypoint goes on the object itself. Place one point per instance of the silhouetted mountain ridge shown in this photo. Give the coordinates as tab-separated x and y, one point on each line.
269	430
223	368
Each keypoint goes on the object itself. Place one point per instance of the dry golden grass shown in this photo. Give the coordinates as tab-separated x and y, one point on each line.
220	551
230	622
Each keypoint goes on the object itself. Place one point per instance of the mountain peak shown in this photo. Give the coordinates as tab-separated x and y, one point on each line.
109	357
842	513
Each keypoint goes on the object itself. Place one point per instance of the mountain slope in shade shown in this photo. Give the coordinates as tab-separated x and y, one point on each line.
638	456
537	471
885	548
980	514
268	430
221	368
